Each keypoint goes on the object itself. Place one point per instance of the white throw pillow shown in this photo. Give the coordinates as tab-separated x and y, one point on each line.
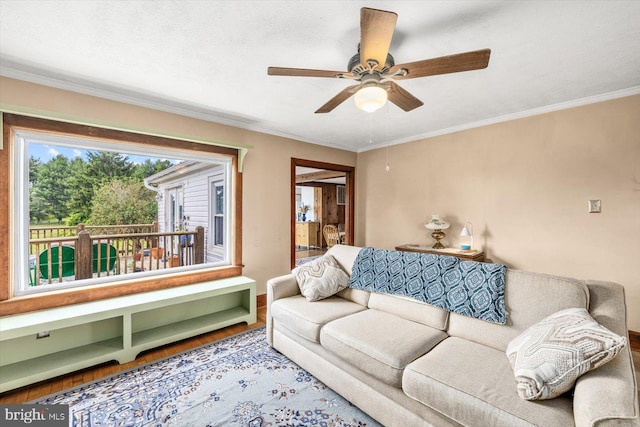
321	278
549	356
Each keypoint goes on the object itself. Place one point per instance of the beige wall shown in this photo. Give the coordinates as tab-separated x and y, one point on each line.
266	201
524	184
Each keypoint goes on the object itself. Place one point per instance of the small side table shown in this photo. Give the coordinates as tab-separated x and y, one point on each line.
474	255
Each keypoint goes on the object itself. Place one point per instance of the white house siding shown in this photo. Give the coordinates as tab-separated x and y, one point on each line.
196	203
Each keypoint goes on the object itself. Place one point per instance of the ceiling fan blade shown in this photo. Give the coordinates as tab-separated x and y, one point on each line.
304	72
338	99
376	32
401	97
467	61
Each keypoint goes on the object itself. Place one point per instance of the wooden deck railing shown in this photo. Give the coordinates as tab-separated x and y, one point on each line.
85	255
68	231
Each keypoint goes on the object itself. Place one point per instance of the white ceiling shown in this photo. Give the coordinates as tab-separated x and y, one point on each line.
209	59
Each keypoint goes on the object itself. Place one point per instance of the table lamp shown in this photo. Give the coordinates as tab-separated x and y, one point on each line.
437	224
467	231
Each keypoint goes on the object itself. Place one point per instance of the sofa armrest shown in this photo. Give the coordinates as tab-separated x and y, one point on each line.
282	287
279	288
608	395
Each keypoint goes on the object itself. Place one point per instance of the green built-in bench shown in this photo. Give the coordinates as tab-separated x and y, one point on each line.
47	343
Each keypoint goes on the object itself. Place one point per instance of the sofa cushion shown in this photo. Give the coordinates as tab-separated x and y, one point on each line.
548	358
410	309
345	255
305	318
379	343
474	385
320	278
529	298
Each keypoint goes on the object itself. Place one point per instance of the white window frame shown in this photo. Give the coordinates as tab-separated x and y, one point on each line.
20	202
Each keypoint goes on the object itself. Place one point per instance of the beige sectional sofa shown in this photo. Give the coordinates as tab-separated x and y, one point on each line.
407	363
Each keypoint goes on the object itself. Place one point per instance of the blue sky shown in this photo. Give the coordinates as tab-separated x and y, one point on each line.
46	152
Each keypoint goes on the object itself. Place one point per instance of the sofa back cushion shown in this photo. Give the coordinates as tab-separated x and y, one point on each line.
529	298
410	309
346	255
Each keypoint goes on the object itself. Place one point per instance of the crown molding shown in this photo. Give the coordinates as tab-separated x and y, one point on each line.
16	70
19	71
508	117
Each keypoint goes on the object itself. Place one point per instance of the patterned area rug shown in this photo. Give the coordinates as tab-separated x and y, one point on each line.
237	381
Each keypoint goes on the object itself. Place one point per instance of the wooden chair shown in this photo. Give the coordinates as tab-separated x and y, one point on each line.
331	235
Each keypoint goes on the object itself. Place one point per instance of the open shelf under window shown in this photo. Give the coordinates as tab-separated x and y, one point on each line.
83	335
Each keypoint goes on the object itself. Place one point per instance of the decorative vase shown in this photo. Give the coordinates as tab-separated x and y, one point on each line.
304	217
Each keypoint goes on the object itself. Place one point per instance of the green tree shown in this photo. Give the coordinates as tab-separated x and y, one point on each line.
87	177
36	203
148	168
123	201
82	184
34	167
37	206
105	165
52	187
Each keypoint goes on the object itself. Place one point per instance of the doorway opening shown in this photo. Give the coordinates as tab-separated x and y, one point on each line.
321	194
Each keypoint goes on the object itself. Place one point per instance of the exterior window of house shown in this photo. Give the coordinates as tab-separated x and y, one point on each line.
218	218
91	211
219	205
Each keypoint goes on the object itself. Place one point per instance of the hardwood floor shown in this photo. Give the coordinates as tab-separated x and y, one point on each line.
54	385
305	253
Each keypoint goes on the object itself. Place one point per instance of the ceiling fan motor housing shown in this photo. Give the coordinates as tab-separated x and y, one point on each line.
356	68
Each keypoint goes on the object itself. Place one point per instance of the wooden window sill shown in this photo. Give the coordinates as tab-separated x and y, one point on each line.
27	303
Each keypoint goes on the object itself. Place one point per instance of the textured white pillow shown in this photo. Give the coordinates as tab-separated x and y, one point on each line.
548	357
321	278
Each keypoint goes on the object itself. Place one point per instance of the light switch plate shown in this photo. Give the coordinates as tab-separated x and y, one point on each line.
594	206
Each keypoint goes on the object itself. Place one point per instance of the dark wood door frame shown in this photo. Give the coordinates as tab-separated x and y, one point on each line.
349	213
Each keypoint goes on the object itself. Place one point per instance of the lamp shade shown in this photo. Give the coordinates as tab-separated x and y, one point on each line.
437	223
370	98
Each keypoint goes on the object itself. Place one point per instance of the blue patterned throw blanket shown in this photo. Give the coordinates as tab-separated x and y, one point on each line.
470	288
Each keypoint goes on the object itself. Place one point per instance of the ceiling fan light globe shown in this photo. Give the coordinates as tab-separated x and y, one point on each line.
370	98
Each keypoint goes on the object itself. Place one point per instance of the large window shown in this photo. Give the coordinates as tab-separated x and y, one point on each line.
98	207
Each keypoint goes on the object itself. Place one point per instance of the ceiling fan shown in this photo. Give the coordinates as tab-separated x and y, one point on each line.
373	64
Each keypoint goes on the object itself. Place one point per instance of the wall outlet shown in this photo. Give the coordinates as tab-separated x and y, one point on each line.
594	206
